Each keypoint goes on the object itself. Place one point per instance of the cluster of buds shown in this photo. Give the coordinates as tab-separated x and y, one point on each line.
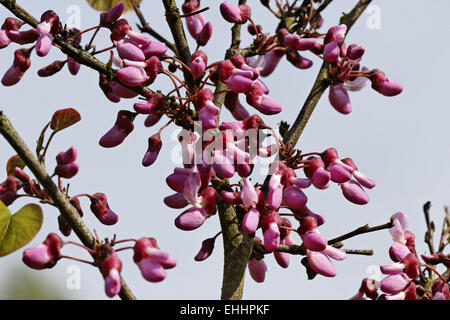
151	261
42	37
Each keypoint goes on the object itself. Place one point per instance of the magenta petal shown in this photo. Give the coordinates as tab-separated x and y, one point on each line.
392	268
250	221
267	105
248	194
37	258
176	201
390	88
197	67
395	283
320	178
339	98
112	283
190	219
223	166
230	12
364	180
294	197
191	187
109	219
398	251
151	270
128	50
354	193
282	258
331	52
335	253
257	269
272	237
44	44
302	182
12	76
132	76
314	241
339	173
238	83
320	263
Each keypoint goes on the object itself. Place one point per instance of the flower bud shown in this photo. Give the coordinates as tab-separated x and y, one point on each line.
154	146
100	208
121	129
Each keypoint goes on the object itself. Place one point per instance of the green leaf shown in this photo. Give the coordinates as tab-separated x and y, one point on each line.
14	162
64	118
19	229
103	5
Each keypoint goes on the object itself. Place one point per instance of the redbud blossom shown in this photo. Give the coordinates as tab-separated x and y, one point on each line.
257	269
100	208
235	14
154	146
121	129
45	255
111	268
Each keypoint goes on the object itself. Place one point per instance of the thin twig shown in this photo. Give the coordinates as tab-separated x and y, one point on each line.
361	230
430	227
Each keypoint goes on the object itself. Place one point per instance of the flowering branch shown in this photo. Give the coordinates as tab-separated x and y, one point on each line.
67	210
322	81
80	55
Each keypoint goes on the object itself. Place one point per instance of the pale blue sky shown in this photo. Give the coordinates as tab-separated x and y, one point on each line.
402	142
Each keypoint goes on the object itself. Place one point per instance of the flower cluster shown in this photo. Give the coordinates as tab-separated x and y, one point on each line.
151	261
403	275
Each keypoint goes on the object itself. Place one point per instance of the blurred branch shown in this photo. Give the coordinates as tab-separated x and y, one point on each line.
60	200
430	227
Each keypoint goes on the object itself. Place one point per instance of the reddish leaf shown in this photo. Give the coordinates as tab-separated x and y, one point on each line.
14	162
64	118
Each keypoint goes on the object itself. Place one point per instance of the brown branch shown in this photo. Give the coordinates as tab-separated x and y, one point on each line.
361	230
445	230
145	27
322	81
430	227
60	200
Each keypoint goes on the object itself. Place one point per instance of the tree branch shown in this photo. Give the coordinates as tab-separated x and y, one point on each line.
430	227
361	230
60	200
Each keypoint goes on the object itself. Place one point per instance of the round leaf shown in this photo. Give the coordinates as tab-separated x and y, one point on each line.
64	118
19	229
14	162
103	5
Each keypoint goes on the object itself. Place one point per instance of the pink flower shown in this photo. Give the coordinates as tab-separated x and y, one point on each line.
206	249
235	14
151	260
261	102
107	18
312	239
154	146
238	111
198	27
127	49
298	60
100	208
271	231
257	269
320	261
317	174
400	225
121	129
111	268
66	166
383	85
354	193
283	258
191	219
20	65
275	194
132	76
176	201
199	61
331	52
250	221
294	197
395	283
249	195
339	98
45	255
